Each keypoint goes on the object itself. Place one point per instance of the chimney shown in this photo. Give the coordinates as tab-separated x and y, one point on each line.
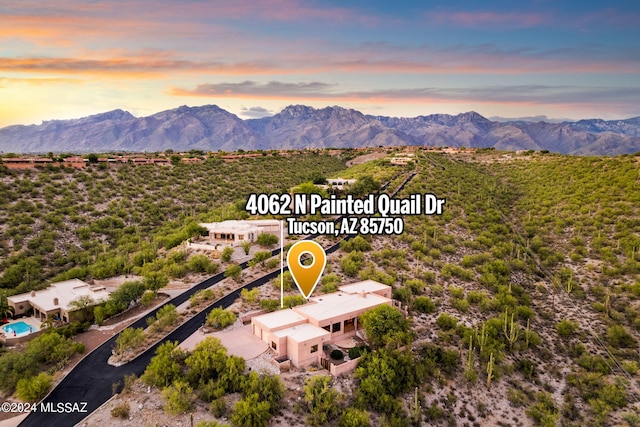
33	293
55	301
362	294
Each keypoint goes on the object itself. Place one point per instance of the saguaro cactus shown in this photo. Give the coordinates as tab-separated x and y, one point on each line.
510	329
490	367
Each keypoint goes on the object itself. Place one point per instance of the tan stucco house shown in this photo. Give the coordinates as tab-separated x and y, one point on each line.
55	301
300	332
234	232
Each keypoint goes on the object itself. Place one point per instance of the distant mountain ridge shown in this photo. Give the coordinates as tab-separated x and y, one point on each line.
211	128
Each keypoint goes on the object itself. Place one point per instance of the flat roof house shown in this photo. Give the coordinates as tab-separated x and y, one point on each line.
75	162
234	232
337	183
300	332
55	301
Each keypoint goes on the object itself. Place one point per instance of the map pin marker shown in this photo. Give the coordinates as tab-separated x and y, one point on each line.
306	276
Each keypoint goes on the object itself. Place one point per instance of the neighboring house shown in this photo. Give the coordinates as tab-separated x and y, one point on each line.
402	160
55	301
337	183
75	162
18	163
23	163
161	161
191	160
233	232
300	332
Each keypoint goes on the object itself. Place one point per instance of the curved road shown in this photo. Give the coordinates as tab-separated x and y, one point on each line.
92	379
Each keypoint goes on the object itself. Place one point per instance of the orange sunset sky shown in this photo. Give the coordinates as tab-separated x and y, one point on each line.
68	58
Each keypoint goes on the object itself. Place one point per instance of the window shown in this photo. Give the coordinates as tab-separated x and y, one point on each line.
336	327
273	345
327	328
314	348
349	325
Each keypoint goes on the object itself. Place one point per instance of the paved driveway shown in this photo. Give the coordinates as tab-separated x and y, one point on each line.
238	341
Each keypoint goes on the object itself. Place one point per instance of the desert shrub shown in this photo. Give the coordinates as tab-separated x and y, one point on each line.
267	240
462	305
337	354
226	254
234	271
220	318
293	300
251	412
321	400
179	397
166	316
202	264
352	263
544	412
566	327
476	297
34	388
358	243
129	339
330	283
218	407
287	281
355	352
424	305
453	270
268	388
270	304
249	296
618	337
386	326
353	417
446	322
121	411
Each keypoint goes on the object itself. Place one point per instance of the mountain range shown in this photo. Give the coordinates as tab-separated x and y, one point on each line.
211	128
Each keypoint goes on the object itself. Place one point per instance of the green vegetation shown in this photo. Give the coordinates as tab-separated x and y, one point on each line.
267	240
34	388
529	280
220	318
386	327
49	351
323	402
101	222
554	230
128	340
208	373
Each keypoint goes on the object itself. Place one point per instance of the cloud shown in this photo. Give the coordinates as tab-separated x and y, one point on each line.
253	89
132	66
609	17
487	19
516	94
256	112
36	81
535	119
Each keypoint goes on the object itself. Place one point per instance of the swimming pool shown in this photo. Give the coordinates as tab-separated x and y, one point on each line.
20	328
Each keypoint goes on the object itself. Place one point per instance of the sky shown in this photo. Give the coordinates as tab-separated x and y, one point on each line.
560	59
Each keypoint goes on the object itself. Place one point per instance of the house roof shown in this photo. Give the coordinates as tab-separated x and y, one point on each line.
301	333
279	318
366	286
64	292
329	306
236	226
